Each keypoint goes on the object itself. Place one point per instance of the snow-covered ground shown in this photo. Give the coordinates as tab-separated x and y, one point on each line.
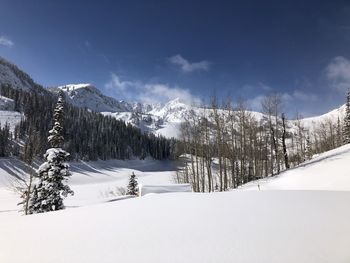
307	224
92	182
328	171
12	118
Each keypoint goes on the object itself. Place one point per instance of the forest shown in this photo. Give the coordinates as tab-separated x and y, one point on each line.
88	135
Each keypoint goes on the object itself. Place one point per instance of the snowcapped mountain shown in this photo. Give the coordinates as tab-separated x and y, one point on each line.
333	115
88	96
148	117
161	119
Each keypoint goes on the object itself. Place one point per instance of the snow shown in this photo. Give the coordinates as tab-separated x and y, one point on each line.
158	189
170	130
6	104
271	226
88	96
10	117
301	216
328	171
332	115
9	77
74	86
92	182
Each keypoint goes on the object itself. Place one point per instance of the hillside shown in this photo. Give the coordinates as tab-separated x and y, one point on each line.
248	226
11	75
328	171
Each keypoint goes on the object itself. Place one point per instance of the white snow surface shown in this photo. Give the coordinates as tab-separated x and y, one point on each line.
328	171
167	188
10	117
9	77
299	216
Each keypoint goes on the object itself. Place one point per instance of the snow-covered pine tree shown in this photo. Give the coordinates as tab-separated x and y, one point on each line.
346	128
50	188
132	186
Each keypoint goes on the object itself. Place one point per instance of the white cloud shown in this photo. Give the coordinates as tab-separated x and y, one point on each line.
148	92
163	92
338	73
116	84
187	66
4	41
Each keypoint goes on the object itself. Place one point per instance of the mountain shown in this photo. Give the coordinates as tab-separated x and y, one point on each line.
88	96
164	119
155	118
11	75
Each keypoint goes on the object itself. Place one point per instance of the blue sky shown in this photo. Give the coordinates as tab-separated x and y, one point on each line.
158	50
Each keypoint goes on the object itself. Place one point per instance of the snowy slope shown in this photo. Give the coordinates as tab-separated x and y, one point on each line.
88	96
10	74
328	171
92	182
333	115
10	117
7	113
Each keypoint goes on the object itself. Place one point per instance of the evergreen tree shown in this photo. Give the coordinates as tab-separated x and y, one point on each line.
49	191
132	186
346	129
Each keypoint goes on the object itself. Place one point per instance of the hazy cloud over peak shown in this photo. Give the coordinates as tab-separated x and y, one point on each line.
147	92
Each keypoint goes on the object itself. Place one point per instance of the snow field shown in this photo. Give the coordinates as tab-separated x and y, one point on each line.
308	224
239	226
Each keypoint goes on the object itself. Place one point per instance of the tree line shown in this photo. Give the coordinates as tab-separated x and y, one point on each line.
89	135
